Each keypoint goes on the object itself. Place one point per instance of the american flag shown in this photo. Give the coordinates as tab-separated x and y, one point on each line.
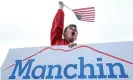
85	14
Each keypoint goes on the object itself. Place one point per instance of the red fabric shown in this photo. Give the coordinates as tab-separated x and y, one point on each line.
57	29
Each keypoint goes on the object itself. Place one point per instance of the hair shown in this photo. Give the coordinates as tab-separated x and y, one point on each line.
73	25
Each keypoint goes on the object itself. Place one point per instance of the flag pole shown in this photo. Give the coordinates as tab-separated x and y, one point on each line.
68	7
78	16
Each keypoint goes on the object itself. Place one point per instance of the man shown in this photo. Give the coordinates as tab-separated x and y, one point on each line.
70	33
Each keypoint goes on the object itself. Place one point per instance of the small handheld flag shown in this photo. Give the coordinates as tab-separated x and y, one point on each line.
85	14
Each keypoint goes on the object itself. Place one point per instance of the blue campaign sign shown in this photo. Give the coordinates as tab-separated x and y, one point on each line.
104	61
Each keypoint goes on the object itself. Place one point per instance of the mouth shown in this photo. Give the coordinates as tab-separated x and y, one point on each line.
73	33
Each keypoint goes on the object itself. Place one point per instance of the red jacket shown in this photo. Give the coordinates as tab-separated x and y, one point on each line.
57	29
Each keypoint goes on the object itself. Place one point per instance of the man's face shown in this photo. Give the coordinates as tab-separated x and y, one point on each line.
71	34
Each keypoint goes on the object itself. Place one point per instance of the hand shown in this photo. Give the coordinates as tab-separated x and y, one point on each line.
61	5
71	45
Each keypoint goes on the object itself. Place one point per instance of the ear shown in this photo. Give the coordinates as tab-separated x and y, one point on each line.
64	35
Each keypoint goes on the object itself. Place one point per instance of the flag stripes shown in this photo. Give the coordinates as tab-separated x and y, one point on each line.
85	14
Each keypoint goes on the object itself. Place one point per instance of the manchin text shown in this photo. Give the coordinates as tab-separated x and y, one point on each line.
28	71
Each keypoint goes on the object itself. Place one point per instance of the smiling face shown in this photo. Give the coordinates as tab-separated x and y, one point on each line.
70	33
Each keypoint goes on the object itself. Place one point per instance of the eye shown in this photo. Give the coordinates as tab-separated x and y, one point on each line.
71	28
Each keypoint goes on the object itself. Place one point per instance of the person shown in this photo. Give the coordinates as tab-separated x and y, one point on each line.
70	32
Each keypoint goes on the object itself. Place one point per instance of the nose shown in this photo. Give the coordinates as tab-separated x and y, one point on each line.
74	30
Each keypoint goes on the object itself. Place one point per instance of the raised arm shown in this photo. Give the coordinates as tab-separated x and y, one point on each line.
57	25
